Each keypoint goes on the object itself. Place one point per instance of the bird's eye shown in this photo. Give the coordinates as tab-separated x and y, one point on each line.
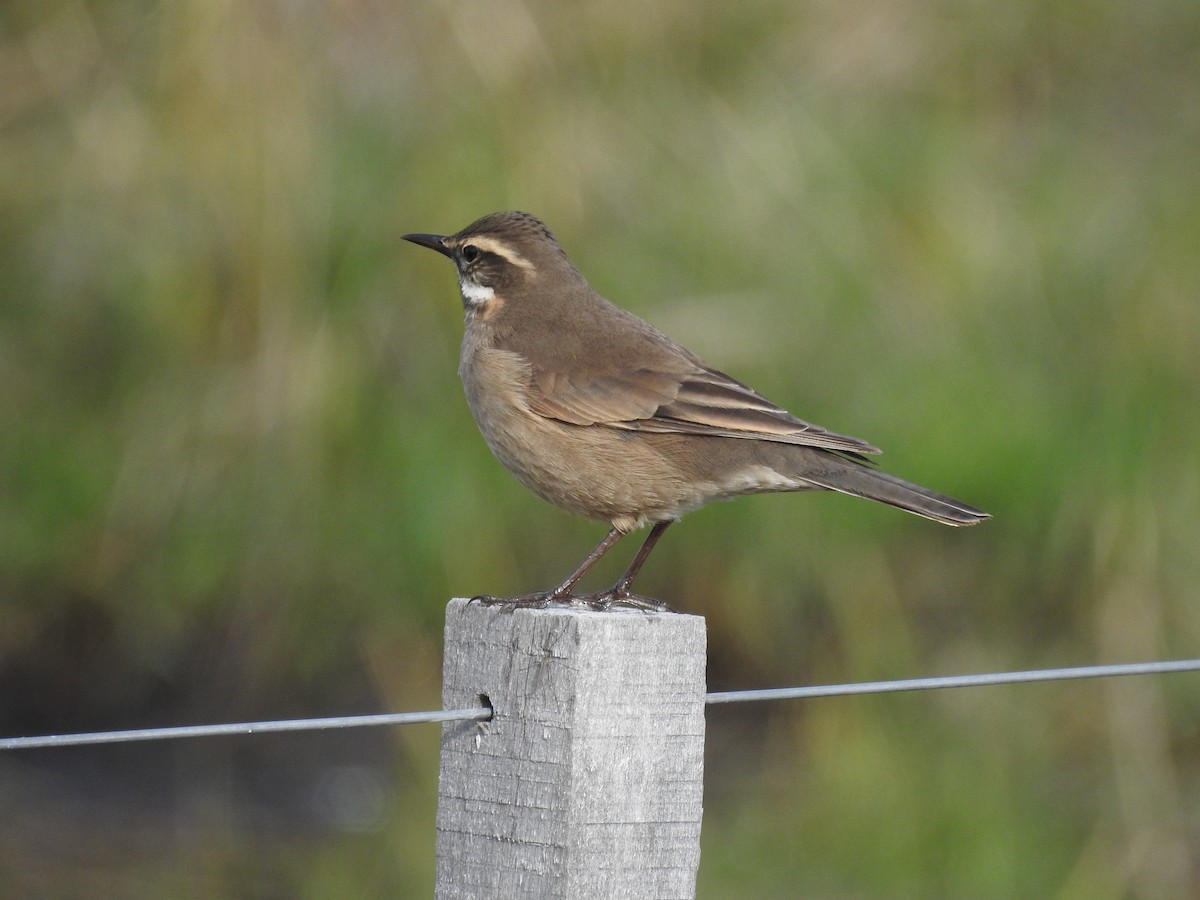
470	253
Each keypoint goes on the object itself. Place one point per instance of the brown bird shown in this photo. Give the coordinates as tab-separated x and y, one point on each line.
597	411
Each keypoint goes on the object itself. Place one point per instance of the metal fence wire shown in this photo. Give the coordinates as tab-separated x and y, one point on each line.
484	713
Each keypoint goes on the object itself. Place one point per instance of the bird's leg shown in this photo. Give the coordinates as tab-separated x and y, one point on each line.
542	599
620	592
563	591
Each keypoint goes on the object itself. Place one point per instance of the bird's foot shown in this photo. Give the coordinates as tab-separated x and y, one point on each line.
536	600
617	596
602	600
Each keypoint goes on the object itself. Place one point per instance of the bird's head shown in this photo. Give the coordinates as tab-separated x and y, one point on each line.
500	255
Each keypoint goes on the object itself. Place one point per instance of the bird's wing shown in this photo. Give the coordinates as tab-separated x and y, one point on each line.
592	398
692	399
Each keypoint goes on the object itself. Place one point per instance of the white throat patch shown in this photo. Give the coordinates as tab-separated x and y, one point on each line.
475	294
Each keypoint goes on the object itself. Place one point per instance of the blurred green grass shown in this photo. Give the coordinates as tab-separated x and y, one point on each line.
238	478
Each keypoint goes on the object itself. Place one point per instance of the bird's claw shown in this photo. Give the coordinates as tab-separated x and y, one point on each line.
536	600
603	600
600	601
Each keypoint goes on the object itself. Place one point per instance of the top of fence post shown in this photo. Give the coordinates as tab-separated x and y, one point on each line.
587	782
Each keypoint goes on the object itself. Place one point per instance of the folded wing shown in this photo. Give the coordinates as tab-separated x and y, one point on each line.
691	399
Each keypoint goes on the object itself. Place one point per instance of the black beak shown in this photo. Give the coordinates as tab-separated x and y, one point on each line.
432	241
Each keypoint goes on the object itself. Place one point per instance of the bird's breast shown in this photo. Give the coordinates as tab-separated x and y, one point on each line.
590	470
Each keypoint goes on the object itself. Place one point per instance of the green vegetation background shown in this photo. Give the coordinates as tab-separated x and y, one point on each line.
238	478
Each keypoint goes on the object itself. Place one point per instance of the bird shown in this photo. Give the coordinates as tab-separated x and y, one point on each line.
598	412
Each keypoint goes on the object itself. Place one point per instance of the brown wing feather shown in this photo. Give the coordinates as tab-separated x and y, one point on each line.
604	400
701	401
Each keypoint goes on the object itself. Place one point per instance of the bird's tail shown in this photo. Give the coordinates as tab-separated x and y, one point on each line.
854	478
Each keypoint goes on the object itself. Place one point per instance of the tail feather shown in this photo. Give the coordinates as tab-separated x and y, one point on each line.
859	480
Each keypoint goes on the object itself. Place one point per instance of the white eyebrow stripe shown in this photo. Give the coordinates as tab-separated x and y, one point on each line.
500	248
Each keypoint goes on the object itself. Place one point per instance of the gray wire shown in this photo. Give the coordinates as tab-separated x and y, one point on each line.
483	713
188	731
954	681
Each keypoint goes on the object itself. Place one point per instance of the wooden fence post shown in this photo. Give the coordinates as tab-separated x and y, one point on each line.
587	782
